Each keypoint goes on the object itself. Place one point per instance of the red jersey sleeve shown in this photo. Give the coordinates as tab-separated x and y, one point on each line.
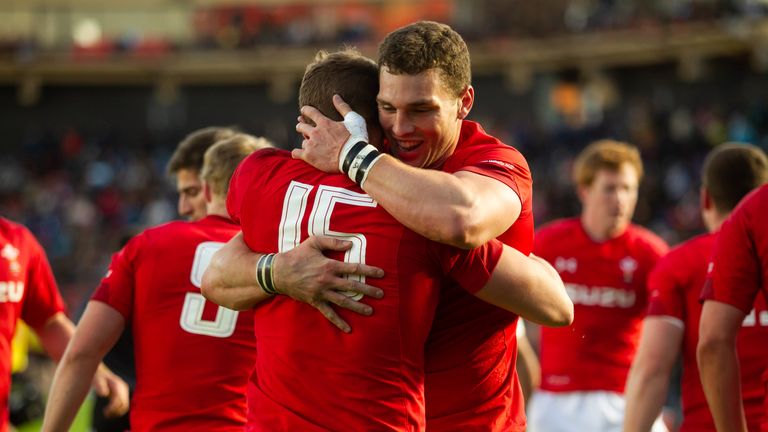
667	297
735	273
42	299
504	164
117	287
471	269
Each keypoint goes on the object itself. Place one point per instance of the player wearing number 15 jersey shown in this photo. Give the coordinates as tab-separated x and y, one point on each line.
192	356
308	375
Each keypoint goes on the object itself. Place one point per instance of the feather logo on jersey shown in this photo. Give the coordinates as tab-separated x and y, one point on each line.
628	265
563	265
11	254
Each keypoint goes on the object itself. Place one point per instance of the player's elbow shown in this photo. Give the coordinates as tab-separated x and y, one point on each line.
210	287
561	314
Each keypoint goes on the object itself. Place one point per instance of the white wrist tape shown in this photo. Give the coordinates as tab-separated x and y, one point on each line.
358	131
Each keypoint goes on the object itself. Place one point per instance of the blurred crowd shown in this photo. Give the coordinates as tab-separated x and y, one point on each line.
303	23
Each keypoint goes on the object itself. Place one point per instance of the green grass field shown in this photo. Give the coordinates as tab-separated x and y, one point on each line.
82	422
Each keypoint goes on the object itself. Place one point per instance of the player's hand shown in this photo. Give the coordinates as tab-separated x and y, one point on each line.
106	384
323	142
306	275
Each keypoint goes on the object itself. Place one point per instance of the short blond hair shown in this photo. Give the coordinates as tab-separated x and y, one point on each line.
605	155
222	158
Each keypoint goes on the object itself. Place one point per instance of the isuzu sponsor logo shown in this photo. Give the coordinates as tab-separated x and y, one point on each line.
11	292
608	297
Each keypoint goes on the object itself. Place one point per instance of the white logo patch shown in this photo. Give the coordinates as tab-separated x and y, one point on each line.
566	265
628	265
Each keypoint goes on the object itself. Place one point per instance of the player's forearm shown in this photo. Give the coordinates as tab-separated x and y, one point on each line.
55	335
529	287
720	378
435	204
645	394
70	386
528	367
230	279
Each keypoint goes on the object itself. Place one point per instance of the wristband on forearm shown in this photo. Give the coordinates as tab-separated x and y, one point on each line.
357	160
265	273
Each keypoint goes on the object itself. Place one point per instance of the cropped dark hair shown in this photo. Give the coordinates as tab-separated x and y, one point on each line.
731	171
426	45
347	73
189	153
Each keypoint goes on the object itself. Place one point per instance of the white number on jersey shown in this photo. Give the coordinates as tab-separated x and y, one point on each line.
756	319
295	206
192	312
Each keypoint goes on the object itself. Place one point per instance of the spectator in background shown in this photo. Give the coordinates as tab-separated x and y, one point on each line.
738	274
604	261
672	326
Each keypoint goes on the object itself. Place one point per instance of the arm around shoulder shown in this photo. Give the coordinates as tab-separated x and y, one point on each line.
463	209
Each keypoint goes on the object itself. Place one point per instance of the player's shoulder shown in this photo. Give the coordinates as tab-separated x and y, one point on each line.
644	238
689	252
17	234
557	228
266	156
475	142
166	232
754	204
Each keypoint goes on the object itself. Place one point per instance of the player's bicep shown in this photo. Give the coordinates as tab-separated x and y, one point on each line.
498	204
660	343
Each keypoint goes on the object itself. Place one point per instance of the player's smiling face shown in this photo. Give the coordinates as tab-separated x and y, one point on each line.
611	198
420	117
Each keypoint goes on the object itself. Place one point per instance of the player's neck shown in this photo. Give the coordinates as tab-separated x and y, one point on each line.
217	207
714	221
599	232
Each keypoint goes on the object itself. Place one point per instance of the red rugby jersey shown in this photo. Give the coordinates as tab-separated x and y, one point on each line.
675	287
192	356
471	378
27	291
607	284
740	269
310	376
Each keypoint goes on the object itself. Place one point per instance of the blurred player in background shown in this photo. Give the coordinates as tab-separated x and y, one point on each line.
28	291
184	166
180	340
739	273
672	326
604	261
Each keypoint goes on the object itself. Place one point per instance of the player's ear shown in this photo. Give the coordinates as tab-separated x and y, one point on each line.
466	100
208	192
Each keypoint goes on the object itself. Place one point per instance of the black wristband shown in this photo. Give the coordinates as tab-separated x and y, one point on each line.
264	273
356	148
